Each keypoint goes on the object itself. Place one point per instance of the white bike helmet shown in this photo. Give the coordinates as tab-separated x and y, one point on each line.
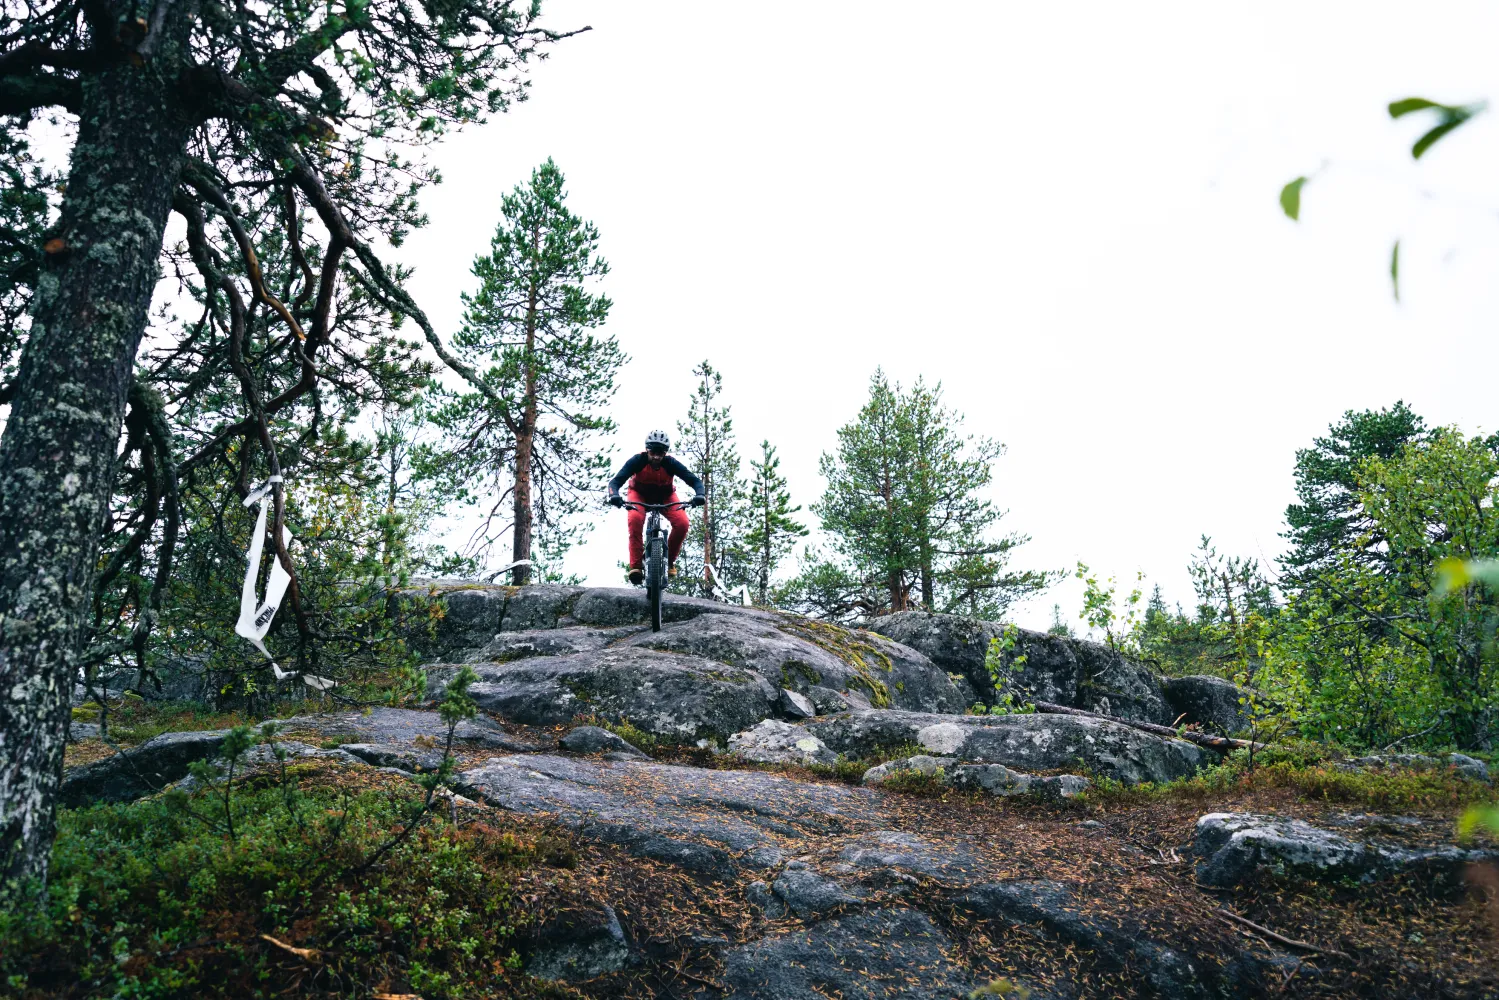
657	439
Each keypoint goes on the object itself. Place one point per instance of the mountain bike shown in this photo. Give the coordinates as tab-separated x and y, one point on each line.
655	553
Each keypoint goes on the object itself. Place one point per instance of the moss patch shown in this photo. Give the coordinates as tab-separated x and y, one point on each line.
793	669
864	657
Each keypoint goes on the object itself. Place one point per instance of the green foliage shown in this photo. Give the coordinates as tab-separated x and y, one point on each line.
1307	774
177	895
351	544
1455	574
718	536
24	214
1377	650
912	782
1177	643
527	328
646	742
1449	117
906	505
238	389
1000	988
828	587
457	704
1328	520
1395	269
773	527
286	139
850	770
1005	669
1236	614
145	900
1060	627
1290	198
1103	611
1476	818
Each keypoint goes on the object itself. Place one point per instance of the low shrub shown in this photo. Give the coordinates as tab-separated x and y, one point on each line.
146	899
848	771
133	719
1397	788
917	783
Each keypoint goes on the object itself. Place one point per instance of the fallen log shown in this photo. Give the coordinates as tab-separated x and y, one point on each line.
1223	744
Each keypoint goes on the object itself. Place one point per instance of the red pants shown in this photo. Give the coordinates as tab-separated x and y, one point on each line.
676	518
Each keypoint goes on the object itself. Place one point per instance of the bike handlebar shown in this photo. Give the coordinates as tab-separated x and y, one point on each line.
677	504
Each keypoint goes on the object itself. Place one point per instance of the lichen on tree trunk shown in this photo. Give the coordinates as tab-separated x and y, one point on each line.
57	456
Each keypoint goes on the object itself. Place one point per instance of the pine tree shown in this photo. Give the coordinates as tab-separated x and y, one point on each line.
905	500
866	505
287	137
705	444
548	376
1060	626
961	566
773	531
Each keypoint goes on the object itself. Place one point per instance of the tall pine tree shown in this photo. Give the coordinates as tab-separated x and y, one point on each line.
866	505
773	528
531	436
705	443
288	138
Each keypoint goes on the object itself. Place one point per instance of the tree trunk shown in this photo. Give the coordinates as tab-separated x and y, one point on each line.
892	539
57	456
524	453
708	522
765	552
927	595
897	592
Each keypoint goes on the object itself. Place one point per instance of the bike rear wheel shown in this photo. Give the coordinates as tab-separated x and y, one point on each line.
655	578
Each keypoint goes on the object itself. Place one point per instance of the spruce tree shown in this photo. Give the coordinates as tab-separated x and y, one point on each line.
1328	520
773	530
705	444
526	329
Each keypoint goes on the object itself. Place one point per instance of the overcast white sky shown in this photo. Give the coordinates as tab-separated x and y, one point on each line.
1065	213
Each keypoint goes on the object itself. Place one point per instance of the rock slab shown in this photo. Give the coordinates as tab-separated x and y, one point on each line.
1039	666
1232	848
1029	743
995	779
1214	703
777	742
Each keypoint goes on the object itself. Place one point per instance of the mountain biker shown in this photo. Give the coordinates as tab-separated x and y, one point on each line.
651	474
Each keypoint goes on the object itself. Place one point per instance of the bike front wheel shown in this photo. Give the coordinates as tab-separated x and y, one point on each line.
655	579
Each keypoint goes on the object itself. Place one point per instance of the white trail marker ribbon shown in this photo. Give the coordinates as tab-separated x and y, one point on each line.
722	593
255	616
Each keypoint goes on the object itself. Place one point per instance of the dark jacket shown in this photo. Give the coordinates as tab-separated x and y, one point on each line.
654	486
